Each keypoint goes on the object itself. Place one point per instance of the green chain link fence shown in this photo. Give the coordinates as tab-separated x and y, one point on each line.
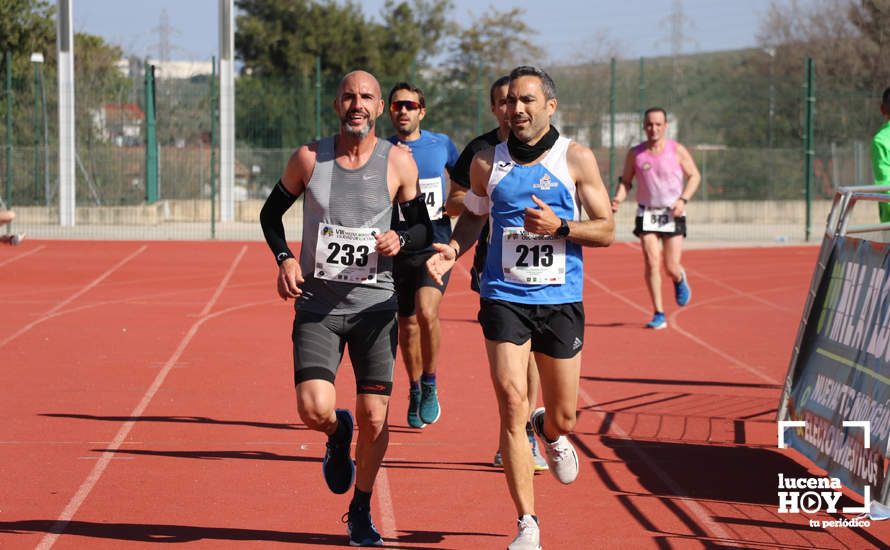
745	132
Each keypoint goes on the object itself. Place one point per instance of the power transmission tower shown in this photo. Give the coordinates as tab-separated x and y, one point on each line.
165	34
677	20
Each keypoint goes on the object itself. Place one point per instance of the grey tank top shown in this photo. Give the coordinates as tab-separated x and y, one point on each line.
349	198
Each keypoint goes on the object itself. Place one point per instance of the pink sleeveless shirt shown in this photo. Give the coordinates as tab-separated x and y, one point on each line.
659	176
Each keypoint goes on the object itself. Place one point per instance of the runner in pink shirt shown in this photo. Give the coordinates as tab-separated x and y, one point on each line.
660	166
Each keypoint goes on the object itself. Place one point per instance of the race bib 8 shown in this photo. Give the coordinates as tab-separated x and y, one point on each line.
532	259
658	220
346	254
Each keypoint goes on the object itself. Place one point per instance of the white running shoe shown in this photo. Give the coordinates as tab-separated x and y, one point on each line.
14	239
529	537
560	454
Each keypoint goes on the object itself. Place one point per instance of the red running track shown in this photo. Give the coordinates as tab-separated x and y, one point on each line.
147	398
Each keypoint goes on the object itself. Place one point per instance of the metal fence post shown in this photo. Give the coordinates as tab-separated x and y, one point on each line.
809	152
151	139
8	194
214	113
37	130
642	98
612	182
317	97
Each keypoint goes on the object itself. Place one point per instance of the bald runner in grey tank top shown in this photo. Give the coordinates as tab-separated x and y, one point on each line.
349	198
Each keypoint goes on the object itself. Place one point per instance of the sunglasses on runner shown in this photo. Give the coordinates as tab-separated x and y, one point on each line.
396	106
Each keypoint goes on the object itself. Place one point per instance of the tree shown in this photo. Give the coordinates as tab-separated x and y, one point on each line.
279	41
26	26
494	44
411	33
872	18
284	37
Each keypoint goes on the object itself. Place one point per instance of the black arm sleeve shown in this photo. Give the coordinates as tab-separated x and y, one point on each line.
279	200
418	230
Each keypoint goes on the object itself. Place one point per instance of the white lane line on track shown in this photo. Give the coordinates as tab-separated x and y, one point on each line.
52	312
673	325
745	294
22	255
695	509
58	527
387	512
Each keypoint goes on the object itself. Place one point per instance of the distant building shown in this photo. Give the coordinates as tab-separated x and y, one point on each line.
181	69
119	123
135	68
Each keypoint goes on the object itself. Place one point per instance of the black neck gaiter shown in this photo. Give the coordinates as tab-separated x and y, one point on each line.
525	153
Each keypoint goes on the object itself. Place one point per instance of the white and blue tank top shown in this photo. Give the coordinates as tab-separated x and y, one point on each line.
523	267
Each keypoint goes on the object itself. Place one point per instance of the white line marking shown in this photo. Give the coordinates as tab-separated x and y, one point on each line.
742	293
866	428
52	313
673	326
783	425
384	499
696	509
59	526
23	255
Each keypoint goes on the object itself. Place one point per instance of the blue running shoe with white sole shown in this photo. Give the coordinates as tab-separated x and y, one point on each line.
414	419
682	291
360	528
429	403
658	321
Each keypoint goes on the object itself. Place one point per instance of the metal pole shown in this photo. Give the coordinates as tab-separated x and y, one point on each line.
317	97
37	130
809	152
226	111
67	130
704	175
642	98
45	141
151	139
479	99
214	113
8	130
612	183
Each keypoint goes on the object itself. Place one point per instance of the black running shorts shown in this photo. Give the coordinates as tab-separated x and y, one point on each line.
555	330
371	336
410	274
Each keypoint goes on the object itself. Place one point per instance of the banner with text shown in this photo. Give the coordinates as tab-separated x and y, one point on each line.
842	372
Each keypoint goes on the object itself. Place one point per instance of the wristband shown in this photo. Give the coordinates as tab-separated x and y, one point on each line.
685	201
281	256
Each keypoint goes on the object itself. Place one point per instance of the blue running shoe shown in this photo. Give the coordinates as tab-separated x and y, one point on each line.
429	403
658	321
337	466
414	409
682	291
360	528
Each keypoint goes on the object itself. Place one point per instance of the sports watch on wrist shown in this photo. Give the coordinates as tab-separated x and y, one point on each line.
563	230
